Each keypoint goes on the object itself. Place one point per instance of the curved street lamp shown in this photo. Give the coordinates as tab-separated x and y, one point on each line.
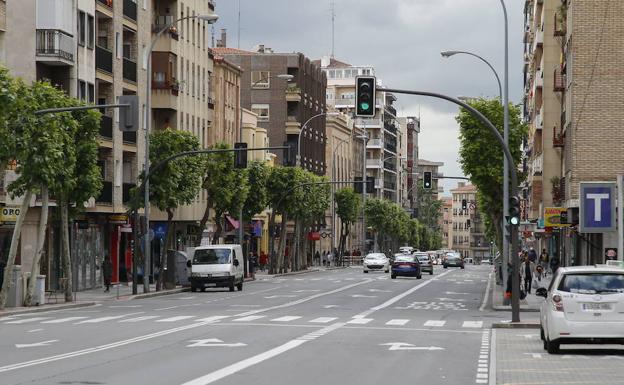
447	54
303	128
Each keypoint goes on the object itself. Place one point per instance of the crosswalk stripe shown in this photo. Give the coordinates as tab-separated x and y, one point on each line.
472	324
397	322
249	318
139	319
61	320
101	319
323	320
360	321
26	320
435	323
177	318
286	318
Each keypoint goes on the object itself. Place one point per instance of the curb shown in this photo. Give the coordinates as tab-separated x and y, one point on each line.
39	309
337	268
297	273
157	293
516	325
522	309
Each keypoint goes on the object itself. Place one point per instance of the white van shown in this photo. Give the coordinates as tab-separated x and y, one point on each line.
216	266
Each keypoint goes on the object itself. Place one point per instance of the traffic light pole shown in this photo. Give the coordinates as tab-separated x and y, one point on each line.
515	291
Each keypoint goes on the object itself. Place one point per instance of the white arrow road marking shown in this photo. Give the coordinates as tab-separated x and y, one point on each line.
453	299
363	296
36	344
61	320
379	291
213	342
406	346
535	355
280	296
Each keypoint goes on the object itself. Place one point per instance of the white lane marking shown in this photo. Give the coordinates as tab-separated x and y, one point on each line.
244	305
95	349
35	345
400	296
452	292
323	320
363	296
123	306
139	319
493	359
26	320
406	346
213	318
34	330
286	318
176	318
435	323
7	318
330	306
379	291
166	308
98	320
307	291
472	324
246	363
61	320
397	322
487	290
249	318
360	321
280	296
213	342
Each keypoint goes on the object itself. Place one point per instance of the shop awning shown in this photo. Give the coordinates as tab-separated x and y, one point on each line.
232	221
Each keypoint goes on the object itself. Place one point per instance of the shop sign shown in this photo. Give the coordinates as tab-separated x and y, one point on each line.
118	219
314	236
553	216
9	214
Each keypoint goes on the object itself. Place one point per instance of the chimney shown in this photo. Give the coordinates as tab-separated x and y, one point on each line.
261	48
223	41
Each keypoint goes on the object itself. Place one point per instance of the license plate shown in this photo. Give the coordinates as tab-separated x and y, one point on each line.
405	265
596	306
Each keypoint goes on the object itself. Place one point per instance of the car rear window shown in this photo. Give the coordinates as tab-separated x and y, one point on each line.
423	258
211	256
404	258
592	283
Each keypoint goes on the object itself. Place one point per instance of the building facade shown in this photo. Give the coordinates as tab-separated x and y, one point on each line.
434	168
467	232
446	220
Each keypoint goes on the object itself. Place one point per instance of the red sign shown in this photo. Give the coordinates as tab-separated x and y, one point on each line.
314	236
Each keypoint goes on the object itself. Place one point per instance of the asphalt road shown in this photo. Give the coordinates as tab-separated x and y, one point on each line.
331	327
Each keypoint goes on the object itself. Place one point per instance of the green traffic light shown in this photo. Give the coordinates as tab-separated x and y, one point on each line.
364	106
514	221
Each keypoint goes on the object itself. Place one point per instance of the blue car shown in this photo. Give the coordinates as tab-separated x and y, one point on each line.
406	266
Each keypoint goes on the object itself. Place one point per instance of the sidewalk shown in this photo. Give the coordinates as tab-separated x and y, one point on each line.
531	303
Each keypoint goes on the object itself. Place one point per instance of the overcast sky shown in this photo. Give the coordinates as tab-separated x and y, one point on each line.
402	39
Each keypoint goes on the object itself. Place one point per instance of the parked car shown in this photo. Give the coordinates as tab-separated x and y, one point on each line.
376	261
216	266
584	304
453	259
469	260
406	249
426	262
486	261
406	265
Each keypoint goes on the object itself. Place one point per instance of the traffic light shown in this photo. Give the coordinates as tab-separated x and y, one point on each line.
129	116
365	96
464	205
514	211
370	184
240	159
427	183
357	185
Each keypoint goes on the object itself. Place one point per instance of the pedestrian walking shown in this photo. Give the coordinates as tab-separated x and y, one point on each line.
526	273
317	258
543	261
107	271
253	264
532	255
554	264
263	260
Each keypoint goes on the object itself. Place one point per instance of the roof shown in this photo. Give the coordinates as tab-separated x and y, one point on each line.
231	51
333	63
424	162
467	188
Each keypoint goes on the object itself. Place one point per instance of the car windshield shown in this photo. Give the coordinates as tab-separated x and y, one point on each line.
211	256
375	256
404	258
592	283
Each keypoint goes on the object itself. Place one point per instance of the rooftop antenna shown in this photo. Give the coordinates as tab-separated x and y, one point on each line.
333	17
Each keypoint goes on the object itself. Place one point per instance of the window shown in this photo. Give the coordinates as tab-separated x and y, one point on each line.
366	71
91	31
260	79
331	74
118	45
82	90
81	28
91	93
262	110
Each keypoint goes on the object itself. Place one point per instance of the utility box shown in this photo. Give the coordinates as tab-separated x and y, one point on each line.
16	290
39	294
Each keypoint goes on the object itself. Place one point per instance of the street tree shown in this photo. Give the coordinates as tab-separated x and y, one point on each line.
348	206
482	158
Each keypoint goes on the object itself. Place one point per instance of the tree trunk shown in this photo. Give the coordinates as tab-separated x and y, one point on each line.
41	233
218	230
272	242
203	221
66	253
6	283
296	247
170	260
282	244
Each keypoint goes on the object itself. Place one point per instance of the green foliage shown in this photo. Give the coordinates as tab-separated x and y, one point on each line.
348	205
177	182
257	198
429	208
388	219
283	198
481	156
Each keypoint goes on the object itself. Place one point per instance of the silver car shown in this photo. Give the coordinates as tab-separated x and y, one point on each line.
376	261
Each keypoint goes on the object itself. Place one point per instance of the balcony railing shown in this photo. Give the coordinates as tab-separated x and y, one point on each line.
106	127
558	139
108	3
374	163
55	43
103	59
162	22
537	165
129	137
374	143
130	9
559	80
129	70
106	195
560	27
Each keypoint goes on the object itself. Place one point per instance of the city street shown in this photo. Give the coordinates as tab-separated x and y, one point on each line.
338	326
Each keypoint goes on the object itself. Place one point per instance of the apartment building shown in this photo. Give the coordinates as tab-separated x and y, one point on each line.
446	220
285	106
411	170
434	168
467	232
586	37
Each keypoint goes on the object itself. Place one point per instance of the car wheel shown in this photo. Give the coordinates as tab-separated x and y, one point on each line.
431	272
202	289
193	289
445	266
419	276
393	276
552	347
462	267
386	271
365	271
542	337
232	286
240	286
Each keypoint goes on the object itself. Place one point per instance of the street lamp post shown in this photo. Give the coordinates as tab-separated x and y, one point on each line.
333	192
364	138
448	54
303	128
148	120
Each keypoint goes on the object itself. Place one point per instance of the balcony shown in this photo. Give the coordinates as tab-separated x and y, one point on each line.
537	164
103	59
559	80
390	127
558	139
54	47
106	195
211	103
130	9
539	119
560	27
539	78
293	126
129	70
164	21
374	163
129	137
368	123
108	3
539	39
374	143
127	189
391	110
106	127
293	93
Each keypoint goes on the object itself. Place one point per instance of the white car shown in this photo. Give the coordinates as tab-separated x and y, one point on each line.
376	261
584	304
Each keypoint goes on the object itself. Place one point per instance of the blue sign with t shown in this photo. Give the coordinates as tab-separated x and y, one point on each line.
597	207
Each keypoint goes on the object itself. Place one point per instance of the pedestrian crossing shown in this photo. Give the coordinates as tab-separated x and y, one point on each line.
296	319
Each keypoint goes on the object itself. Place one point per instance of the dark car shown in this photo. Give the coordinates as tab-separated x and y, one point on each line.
426	263
406	266
453	260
